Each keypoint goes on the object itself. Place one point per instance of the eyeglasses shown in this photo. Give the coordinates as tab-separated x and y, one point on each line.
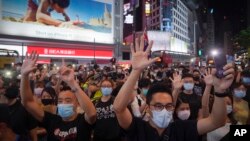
160	107
106	86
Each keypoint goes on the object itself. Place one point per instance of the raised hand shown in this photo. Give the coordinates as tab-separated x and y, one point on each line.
67	75
220	85
208	78
140	58
29	64
177	81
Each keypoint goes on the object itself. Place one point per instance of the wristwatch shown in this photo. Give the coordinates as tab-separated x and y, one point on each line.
225	94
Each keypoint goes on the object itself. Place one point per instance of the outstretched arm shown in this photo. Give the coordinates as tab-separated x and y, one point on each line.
206	95
26	94
139	62
217	118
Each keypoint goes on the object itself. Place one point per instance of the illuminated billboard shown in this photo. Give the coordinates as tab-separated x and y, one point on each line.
78	20
161	40
178	45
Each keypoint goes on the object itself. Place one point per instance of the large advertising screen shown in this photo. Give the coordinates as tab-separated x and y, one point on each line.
161	40
179	45
72	20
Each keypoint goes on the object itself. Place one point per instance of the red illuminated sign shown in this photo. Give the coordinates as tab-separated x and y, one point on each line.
70	52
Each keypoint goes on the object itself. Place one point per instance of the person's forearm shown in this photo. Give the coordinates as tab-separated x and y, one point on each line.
84	102
124	96
175	94
238	77
218	114
205	101
41	17
26	93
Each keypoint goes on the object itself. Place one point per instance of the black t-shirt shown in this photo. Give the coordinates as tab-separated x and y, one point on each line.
106	127
59	130
194	103
20	120
141	130
199	88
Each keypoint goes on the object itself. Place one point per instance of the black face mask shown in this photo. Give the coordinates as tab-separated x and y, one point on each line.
196	78
47	101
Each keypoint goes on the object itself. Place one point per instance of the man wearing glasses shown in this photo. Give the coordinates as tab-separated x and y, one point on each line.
160	103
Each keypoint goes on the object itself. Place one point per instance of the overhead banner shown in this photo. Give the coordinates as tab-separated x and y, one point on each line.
78	20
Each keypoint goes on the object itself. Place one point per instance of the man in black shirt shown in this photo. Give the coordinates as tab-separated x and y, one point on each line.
22	123
160	104
199	85
67	125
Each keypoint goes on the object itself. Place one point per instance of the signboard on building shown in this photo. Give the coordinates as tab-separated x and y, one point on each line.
178	45
70	52
83	20
161	40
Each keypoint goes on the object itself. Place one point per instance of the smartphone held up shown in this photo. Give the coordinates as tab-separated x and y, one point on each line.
220	60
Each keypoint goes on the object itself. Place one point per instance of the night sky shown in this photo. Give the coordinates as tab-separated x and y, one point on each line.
229	15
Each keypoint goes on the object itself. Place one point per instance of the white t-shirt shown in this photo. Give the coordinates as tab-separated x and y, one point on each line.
219	133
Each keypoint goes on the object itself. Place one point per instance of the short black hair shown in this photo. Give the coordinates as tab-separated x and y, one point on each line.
144	82
185	75
51	91
62	3
159	87
196	71
237	85
246	73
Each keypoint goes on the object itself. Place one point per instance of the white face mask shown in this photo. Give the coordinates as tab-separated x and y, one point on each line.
229	109
188	86
183	115
162	118
38	91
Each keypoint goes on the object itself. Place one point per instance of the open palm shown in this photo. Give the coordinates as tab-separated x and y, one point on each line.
29	63
67	75
177	81
140	58
208	77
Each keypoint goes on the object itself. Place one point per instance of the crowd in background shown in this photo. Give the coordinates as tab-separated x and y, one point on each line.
118	104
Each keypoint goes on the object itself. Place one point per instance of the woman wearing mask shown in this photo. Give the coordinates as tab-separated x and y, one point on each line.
106	126
240	106
222	132
39	86
182	110
49	101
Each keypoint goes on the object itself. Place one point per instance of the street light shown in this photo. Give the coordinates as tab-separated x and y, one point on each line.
214	52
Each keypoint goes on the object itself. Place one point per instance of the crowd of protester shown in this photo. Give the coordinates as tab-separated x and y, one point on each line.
146	102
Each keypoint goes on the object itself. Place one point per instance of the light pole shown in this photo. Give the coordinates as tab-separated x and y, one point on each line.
195	48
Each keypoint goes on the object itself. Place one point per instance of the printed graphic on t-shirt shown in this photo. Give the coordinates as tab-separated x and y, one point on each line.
66	135
105	112
198	90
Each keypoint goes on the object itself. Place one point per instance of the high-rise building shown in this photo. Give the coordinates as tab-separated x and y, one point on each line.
180	21
171	16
